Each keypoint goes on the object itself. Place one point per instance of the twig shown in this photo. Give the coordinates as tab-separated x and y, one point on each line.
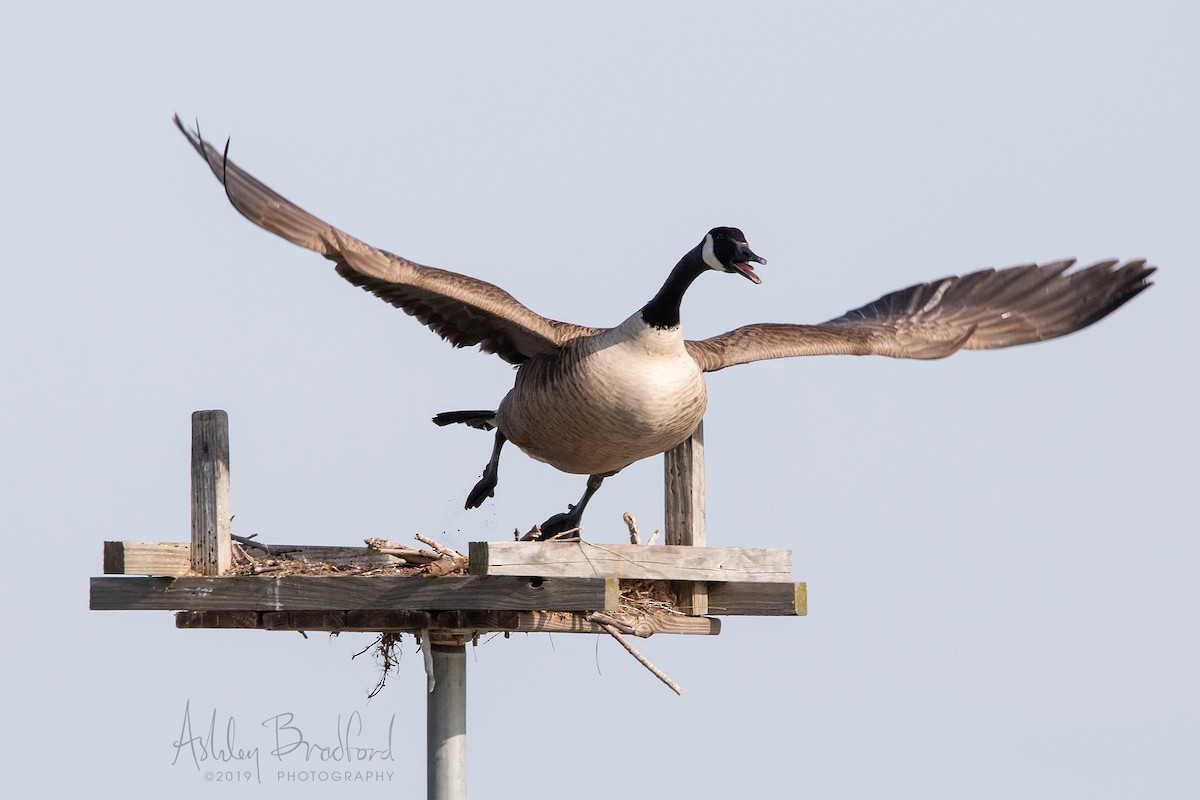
269	549
604	619
443	561
409	555
438	546
445	566
644	604
658	673
642	630
249	540
640	627
386	646
634	536
240	553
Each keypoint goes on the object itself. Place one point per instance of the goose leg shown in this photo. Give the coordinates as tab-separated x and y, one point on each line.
569	520
487	484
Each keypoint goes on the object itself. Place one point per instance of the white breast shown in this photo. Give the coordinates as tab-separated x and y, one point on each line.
615	398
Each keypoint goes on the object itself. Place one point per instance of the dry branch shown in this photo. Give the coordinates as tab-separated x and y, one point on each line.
448	562
270	550
645	662
642	628
410	555
634	536
449	565
385	649
438	546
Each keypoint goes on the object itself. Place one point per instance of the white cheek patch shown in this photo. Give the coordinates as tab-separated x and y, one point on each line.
710	257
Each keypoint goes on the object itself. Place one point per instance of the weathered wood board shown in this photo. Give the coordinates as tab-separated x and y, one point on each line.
211	551
630	561
171	559
416	621
343	592
758	599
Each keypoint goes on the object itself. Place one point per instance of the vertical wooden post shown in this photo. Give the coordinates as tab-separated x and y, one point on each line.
446	723
683	468
211	550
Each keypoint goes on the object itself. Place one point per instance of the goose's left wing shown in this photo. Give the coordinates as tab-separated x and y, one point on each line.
982	310
461	309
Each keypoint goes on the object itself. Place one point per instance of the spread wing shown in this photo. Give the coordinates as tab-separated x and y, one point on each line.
979	311
460	309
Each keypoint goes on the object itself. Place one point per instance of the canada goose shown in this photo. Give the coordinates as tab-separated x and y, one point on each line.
592	401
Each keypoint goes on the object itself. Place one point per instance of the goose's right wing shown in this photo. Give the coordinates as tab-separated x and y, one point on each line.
463	310
982	310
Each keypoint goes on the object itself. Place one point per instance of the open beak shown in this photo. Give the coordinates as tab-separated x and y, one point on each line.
742	259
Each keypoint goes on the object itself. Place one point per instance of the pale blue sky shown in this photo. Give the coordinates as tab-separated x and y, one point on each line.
1000	548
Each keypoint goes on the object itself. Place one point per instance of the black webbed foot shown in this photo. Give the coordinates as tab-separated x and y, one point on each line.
560	524
484	489
491	476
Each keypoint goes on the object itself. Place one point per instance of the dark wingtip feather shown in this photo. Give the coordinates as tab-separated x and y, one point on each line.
1120	285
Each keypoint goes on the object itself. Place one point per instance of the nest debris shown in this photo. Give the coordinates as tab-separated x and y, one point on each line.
640	602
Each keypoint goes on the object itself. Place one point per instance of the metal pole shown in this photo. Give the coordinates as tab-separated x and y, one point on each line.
446	719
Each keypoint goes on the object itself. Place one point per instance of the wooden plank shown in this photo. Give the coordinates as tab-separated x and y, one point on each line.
465	622
758	599
630	561
683	468
343	592
305	620
566	622
392	620
147	558
219	619
211	551
172	559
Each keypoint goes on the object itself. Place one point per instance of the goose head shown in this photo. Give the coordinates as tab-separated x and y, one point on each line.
725	250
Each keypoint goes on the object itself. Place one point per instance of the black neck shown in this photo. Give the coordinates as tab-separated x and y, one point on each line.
663	310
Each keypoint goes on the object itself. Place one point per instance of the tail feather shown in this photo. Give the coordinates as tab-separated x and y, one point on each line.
481	420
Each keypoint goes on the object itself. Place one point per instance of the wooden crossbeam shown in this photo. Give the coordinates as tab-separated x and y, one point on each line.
232	595
758	599
338	593
171	559
530	559
417	621
630	562
147	558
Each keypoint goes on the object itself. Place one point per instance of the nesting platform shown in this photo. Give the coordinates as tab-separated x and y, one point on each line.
509	586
